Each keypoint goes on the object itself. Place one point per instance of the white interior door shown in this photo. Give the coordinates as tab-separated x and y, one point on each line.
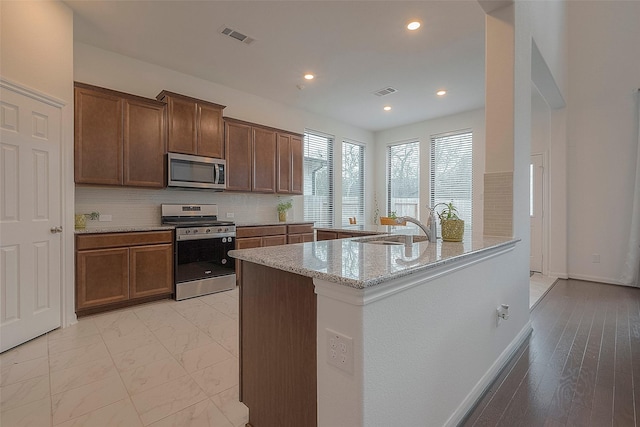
30	215
536	170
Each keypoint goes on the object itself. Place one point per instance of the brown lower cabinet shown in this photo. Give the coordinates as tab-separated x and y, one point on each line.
117	269
260	236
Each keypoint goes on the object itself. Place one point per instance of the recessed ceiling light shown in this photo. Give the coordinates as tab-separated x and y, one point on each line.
414	25
387	108
309	76
441	92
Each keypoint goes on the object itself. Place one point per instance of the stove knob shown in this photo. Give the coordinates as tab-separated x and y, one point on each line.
208	230
195	231
219	230
187	231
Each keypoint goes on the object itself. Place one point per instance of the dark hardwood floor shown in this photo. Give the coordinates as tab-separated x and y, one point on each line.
580	366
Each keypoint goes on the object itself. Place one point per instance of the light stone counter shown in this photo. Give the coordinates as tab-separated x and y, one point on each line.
96	230
353	263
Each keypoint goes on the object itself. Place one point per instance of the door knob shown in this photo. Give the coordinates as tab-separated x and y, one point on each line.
56	230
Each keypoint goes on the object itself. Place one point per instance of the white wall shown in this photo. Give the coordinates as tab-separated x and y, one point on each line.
604	66
422	131
108	69
37	52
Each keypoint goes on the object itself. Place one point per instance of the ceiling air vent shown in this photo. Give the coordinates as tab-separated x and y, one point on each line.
386	91
236	35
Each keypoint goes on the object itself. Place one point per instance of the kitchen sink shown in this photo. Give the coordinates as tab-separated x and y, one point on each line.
394	239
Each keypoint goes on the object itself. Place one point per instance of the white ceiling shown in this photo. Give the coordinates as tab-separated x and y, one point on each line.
354	47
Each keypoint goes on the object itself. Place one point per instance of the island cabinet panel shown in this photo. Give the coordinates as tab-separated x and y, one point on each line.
264	160
278	347
194	126
238	147
119	138
98	137
118	269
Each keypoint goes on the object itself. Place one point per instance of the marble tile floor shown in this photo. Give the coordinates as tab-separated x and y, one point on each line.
538	287
165	363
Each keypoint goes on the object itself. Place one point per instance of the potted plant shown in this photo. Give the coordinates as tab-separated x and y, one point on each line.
283	207
452	227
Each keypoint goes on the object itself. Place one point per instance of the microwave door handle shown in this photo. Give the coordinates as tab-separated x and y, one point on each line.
216	173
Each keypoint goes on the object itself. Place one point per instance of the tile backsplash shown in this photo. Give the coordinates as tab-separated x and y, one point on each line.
141	207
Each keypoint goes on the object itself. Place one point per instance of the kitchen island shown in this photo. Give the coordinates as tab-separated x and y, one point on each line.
354	333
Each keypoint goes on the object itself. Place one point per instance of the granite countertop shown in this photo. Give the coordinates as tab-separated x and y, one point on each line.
372	229
352	263
259	224
95	230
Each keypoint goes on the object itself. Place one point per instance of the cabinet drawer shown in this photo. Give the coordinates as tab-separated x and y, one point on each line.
300	228
248	243
267	230
114	240
326	235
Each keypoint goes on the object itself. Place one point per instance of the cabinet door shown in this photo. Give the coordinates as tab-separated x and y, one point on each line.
264	160
102	277
297	165
144	144
237	149
182	126
151	270
98	137
210	131
284	163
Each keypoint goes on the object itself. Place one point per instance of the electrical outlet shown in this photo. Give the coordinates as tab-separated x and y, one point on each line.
340	351
230	215
105	218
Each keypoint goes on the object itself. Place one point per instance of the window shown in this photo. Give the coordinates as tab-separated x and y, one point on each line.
318	178
352	182
403	179
451	173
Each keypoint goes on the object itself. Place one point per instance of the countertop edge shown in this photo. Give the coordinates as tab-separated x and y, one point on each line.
133	229
247	255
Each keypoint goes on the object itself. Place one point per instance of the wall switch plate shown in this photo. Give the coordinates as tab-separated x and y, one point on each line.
230	215
105	218
340	351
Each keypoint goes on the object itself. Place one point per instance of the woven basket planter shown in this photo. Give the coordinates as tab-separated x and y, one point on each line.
452	230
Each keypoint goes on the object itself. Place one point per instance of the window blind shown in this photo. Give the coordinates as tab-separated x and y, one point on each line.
403	179
352	182
451	173
318	178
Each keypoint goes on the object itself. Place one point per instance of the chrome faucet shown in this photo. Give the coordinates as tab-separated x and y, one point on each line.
430	232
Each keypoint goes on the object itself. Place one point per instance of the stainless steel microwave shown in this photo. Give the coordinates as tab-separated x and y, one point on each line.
189	171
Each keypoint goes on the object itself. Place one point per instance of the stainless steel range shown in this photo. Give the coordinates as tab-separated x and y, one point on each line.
202	243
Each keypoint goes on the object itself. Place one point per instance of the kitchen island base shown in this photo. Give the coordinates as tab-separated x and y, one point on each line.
277	347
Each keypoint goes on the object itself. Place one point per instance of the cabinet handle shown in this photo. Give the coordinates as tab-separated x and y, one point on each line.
55	230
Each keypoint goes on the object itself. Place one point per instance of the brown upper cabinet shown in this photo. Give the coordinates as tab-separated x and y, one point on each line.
262	159
119	138
289	167
194	126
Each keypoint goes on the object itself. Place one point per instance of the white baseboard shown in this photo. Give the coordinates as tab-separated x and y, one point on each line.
589	278
487	379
